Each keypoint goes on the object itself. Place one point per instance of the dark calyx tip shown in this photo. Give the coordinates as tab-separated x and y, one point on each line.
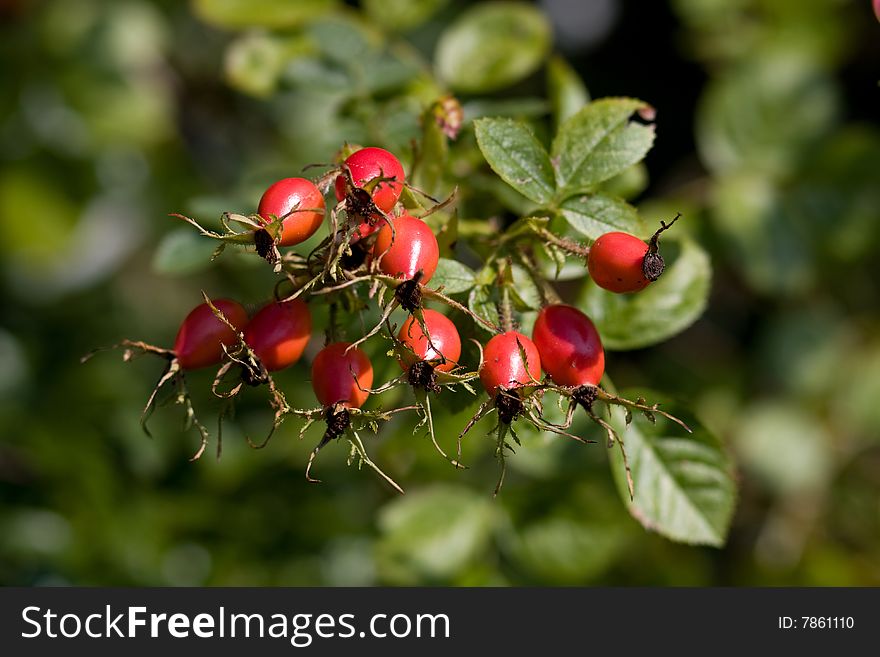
254	377
409	293
653	266
585	396
338	420
265	245
360	203
422	375
357	257
508	404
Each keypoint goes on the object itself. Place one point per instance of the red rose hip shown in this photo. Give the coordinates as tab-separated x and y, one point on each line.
368	164
201	336
616	262
503	365
445	342
299	203
279	332
410	248
569	345
336	375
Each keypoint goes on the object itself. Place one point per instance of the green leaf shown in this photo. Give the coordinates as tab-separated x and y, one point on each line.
566	90
785	446
564	552
260	13
344	40
768	242
453	276
483	302
628	183
664	308
684	487
524	289
183	251
516	155
599	142
492	45
595	214
764	115
432	534
402	14
385	72
253	64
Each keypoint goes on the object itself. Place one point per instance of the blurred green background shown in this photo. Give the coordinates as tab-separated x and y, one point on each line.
113	114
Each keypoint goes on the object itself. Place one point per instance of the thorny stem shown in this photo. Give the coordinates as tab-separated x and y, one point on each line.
505	310
130	346
333	323
452	303
639	405
569	246
545	289
612	436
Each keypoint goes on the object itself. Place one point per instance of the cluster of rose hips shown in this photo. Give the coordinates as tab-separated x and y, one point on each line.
375	243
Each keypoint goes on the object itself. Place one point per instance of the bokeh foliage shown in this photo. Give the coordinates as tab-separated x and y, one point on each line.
115	113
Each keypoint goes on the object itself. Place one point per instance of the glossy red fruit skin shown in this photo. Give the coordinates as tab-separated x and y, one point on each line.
569	344
369	163
503	366
615	262
444	338
279	333
332	378
301	204
414	247
201	336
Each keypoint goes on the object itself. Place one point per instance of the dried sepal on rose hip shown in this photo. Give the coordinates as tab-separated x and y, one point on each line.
509	365
202	341
405	249
375	171
341	378
574	359
273	340
622	263
428	347
510	372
